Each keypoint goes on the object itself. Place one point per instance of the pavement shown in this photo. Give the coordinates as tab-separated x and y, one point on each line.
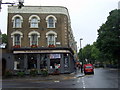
59	77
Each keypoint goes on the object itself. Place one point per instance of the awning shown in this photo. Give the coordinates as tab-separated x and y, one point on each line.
41	51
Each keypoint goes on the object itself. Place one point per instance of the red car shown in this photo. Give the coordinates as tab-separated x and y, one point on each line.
88	68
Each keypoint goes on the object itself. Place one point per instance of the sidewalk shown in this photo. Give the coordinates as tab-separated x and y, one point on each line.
60	77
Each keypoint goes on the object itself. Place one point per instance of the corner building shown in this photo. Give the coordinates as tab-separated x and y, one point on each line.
40	37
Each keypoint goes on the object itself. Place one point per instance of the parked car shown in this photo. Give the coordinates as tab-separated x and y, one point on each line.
88	68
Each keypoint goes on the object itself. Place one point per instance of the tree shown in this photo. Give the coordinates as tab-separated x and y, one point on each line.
4	38
86	54
108	41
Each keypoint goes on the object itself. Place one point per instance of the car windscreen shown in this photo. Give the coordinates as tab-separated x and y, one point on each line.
88	67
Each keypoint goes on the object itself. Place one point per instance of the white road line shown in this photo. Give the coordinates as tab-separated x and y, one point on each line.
56	81
83	82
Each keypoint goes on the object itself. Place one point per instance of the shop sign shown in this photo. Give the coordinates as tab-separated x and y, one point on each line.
53	56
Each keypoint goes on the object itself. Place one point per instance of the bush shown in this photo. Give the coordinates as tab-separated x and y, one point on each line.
33	72
8	74
20	74
44	72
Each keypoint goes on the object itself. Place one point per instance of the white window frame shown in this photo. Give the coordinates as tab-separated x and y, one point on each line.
53	39
37	22
30	36
54	21
35	40
14	21
17	40
51	33
13	37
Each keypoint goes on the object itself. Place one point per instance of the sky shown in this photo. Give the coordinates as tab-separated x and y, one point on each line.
86	16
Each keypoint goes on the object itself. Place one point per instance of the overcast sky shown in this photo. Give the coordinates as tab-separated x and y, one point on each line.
86	15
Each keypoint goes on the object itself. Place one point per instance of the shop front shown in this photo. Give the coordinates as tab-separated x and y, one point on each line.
52	59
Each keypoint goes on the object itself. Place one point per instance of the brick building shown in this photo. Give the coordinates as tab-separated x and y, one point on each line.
40	37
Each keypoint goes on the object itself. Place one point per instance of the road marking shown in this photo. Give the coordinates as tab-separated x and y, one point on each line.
74	77
83	82
78	80
56	81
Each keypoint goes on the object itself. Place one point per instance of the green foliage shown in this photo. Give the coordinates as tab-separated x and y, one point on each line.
8	73
107	47
44	72
108	41
33	72
20	74
4	38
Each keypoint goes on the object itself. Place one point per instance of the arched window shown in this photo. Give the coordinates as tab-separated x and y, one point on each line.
51	38
17	35
51	20
17	39
17	21
34	35
34	39
34	23
34	20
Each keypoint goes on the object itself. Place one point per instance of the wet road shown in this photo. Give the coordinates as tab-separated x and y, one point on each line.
103	78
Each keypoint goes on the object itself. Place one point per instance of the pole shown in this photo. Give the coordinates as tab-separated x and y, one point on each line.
20	5
0	4
81	55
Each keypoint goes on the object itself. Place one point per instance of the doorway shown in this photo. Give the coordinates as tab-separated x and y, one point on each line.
32	61
3	66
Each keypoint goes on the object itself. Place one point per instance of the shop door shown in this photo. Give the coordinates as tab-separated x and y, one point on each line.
3	67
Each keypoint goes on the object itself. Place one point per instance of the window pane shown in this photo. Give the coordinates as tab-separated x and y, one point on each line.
17	22
51	39
34	22
34	39
17	39
51	22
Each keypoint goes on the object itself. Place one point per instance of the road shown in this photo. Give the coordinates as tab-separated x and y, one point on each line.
102	78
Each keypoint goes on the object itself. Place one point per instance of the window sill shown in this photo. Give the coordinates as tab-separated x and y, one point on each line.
51	27
34	27
17	27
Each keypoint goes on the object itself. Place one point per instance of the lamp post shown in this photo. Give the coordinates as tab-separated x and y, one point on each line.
81	55
20	5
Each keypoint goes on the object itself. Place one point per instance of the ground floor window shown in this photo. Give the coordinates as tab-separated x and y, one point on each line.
32	61
55	61
62	62
66	60
18	62
43	61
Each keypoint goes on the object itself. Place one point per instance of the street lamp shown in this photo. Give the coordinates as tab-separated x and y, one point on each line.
80	43
81	55
20	5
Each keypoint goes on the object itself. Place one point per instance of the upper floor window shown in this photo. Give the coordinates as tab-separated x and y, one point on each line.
17	21
34	20
51	38
51	20
34	35
17	35
17	39
34	39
